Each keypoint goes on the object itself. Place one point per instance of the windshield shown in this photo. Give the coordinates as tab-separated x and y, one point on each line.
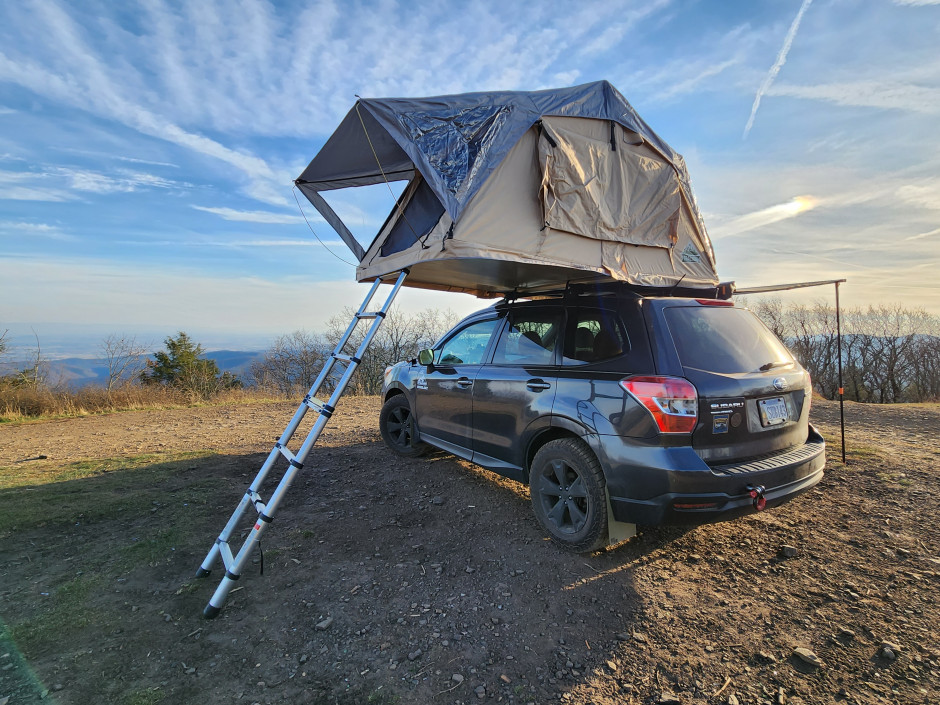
724	340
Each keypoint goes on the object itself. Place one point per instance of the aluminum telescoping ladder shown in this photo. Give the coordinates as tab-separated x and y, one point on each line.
234	563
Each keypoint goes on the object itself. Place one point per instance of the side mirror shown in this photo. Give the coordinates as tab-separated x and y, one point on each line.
426	358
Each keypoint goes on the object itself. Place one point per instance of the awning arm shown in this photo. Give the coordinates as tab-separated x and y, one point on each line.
785	287
329	215
803	285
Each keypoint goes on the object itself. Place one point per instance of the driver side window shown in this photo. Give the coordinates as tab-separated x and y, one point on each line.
468	346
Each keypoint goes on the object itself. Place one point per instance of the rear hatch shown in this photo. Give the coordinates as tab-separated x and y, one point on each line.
754	397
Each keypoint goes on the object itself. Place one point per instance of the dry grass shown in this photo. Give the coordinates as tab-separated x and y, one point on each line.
28	403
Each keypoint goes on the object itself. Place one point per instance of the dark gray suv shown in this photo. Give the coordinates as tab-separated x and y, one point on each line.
666	410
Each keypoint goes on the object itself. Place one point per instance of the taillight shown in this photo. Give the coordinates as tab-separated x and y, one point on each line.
715	302
672	401
809	391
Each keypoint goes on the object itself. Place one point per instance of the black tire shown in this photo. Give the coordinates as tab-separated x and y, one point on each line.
397	425
566	486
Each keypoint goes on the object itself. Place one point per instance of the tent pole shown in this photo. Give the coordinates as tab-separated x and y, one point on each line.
841	388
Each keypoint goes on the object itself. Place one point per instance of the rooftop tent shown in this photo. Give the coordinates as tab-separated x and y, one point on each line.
518	192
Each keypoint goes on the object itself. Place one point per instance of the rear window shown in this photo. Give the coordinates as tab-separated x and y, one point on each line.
723	339
594	335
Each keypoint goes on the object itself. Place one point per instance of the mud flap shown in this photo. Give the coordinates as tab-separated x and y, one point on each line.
617	531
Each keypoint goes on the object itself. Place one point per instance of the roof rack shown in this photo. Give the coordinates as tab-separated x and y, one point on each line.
723	291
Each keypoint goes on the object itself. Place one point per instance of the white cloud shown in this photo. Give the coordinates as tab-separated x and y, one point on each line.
891	95
925	194
119	157
12	188
766	216
289	243
29	185
619	24
43	230
125	182
234	242
921	236
687	85
26	193
916	2
566	78
252	216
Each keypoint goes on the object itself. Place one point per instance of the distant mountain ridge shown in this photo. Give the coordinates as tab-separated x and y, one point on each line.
76	372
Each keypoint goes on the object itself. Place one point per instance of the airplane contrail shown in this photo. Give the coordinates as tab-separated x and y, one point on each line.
775	69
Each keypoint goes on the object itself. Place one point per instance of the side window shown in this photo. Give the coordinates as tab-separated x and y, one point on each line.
593	335
529	339
468	346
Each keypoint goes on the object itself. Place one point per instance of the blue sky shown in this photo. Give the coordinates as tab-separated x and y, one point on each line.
147	149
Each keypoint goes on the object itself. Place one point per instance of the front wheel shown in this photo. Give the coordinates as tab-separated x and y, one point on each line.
566	485
397	425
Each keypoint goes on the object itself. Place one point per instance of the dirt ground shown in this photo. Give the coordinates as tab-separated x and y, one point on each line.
388	580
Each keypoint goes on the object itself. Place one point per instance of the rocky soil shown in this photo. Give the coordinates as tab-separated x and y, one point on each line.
388	580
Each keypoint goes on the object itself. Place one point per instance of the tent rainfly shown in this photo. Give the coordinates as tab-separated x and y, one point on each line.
515	193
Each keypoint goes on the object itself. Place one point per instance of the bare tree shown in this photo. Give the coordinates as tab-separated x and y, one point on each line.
292	364
400	337
125	358
34	375
772	312
889	353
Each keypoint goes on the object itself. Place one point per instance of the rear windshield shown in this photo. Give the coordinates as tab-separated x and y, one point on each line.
723	339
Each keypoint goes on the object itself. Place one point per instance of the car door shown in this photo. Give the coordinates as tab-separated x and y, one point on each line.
444	393
516	389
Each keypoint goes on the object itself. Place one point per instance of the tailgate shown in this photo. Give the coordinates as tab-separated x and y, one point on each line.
753	395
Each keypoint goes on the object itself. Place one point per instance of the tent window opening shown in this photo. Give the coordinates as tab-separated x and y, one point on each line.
421	214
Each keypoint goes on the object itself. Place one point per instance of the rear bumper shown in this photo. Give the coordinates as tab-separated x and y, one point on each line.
694	493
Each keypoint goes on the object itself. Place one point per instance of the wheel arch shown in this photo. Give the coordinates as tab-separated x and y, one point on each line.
559	428
392	391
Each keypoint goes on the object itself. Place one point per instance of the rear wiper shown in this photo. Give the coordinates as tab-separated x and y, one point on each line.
772	365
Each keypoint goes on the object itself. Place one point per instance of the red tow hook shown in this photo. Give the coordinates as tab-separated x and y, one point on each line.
757	494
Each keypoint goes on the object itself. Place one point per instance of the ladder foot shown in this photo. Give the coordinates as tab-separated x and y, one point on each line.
202	572
211	612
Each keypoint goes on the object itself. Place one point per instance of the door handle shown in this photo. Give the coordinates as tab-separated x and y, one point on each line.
464	382
537	385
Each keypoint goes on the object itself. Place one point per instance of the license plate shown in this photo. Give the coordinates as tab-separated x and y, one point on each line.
772	411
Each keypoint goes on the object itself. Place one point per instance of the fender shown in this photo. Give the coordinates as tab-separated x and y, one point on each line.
569	424
399	387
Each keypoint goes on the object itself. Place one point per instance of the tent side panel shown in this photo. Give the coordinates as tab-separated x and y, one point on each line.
506	217
603	181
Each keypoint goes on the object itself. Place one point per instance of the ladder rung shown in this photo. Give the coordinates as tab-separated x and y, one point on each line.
371	314
291	458
346	358
319	406
259	504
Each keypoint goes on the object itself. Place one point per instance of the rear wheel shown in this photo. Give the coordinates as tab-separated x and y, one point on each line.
397	425
566	485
